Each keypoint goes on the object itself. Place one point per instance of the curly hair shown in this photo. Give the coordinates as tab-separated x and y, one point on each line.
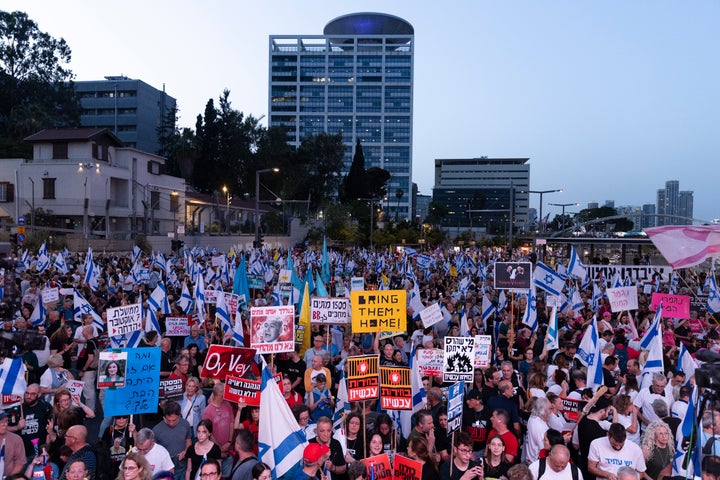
648	440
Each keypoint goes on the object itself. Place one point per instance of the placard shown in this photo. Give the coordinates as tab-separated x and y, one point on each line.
171	388
217	261
363	382
623	298
674	306
571	408
210	296
177	327
331	310
357	284
232	301
379	310
75	387
244	389
140	394
50	295
406	469
112	369
395	388
256	282
458	359
553	301
483	351
455	407
143	275
430	362
512	275
285	275
222	360
431	315
272	329
125	319
378	467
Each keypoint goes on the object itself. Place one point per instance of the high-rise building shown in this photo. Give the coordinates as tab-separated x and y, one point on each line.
648	215
356	79
592	205
685	207
131	109
477	192
672	204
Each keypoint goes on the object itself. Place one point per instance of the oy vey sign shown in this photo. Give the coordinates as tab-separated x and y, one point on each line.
222	361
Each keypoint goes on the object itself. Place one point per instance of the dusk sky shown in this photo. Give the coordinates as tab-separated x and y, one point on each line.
608	99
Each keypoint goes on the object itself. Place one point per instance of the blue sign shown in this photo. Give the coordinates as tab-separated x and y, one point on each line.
21	237
140	393
455	407
21	221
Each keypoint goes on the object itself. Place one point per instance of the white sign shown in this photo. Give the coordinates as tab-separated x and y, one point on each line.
177	327
66	291
623	298
357	284
181	229
637	273
431	315
218	260
50	295
483	351
553	301
125	319
285	276
330	310
75	387
458	359
210	296
430	362
272	329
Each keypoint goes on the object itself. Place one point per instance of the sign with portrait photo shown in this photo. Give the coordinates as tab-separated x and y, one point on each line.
272	329
112	368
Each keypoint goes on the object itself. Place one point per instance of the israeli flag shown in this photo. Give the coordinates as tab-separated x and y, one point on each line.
575	266
159	299
238	334
12	380
652	341
487	309
713	301
223	312
418	395
43	261
127	340
551	340
530	317
92	276
82	307
38	315
60	265
200	299
547	279
185	301
686	461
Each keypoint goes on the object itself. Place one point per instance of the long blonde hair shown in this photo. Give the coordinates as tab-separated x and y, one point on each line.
648	440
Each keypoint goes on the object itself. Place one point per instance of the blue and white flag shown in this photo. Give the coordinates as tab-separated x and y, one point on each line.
25	259
43	261
415	302
594	365
238	335
686	363
547	279
713	301
38	315
12	380
159	299
418	395
151	320
686	461
127	340
652	342
200	299
575	266
281	442
82	307
487	309
60	265
222	312
2	283
342	405
502	302
423	261
185	301
530	317
91	276
551	340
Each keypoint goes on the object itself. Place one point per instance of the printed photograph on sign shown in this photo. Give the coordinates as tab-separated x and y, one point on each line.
272	329
483	351
515	275
112	369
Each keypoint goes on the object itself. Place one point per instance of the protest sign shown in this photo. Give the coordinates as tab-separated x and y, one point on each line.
395	388
177	327
430	362
553	301
171	388
623	298
455	407
125	319
112	369
142	382
357	284
373	311
572	408
330	310
378	467
285	276
256	281
245	390
232	301
362	380
210	296
483	351
431	315
636	273
222	361
272	329
143	275
75	387
406	469
674	306
217	260
50	295
512	275
458	359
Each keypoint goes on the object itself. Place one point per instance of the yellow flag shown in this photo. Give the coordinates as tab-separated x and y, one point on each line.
304	322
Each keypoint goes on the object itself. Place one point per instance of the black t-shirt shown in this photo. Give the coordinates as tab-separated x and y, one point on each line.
588	430
36	419
336	457
475	424
456	472
90	349
294	370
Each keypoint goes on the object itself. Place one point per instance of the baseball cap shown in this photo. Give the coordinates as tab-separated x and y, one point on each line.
314	451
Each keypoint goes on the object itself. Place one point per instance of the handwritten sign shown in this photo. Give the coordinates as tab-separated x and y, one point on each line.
362	381
455	407
382	310
430	362
483	351
177	327
330	310
75	387
406	469
431	315
623	298
458	359
140	394
222	361
50	295
272	329
395	388
674	306
125	319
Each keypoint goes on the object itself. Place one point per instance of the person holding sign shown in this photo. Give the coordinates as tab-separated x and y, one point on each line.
314	457
419	451
463	467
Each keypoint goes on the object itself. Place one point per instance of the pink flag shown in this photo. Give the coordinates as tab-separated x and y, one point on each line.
685	246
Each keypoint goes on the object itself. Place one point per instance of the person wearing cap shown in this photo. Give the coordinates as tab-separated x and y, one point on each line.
474	420
314	457
14	458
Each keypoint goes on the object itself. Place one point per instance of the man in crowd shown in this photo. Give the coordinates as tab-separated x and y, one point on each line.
175	434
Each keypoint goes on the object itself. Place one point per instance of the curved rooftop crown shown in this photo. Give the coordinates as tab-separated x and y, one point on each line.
368	23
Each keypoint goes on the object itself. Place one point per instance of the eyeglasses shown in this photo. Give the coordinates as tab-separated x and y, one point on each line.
129	467
465	451
206	475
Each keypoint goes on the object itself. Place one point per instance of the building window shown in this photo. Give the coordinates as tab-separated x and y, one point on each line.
49	188
155	200
60	150
7	192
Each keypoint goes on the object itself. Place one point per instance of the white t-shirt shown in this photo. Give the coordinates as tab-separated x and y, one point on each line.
645	399
536	429
610	460
159	459
566	474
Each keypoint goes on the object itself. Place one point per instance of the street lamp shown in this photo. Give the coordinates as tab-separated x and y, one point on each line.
227	208
541	224
372	214
563	205
82	166
257	201
175	209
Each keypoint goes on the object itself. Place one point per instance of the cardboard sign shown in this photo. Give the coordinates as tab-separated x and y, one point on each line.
431	315
512	275
483	351
378	467
140	394
75	387
50	295
571	408
362	380
674	306
222	361
406	469
458	359
330	310
171	388
380	310
177	327
430	362
122	320
623	298
357	284
272	329
217	261
395	388
455	407
112	369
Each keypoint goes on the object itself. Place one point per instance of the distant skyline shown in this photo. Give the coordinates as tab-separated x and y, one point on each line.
607	99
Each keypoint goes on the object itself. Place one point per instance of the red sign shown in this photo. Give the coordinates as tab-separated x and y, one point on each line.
572	407
362	381
243	389
395	388
674	306
222	361
406	469
378	467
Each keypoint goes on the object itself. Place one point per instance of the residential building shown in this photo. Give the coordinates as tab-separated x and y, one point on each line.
357	80
648	215
673	206
685	207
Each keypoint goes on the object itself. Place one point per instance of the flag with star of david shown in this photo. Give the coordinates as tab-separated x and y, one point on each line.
547	279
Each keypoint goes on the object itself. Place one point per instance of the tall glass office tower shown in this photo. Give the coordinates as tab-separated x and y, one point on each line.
357	79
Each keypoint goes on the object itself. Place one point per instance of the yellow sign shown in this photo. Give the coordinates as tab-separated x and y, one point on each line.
379	311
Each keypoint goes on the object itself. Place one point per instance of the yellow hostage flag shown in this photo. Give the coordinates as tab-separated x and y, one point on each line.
304	322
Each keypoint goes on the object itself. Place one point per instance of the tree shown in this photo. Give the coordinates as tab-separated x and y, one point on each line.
355	183
321	157
615	225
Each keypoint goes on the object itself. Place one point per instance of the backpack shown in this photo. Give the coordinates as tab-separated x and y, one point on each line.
104	465
543	464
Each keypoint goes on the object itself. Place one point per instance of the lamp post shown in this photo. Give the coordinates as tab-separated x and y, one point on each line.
257	201
227	208
177	205
372	214
563	205
541	224
82	166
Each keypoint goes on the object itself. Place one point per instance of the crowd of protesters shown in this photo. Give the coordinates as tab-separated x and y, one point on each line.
514	424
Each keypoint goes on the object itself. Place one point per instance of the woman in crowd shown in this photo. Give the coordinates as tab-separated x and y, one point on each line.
195	360
135	467
419	451
203	448
261	471
375	445
658	448
353	437
552	437
62	342
536	386
384	427
77	470
251	422
54	377
626	416
193	403
496	464
291	396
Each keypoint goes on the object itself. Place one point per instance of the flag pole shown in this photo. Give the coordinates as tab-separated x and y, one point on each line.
452	452
364	432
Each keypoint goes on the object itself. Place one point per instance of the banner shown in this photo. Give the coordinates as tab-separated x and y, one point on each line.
512	275
623	298
674	306
483	351
458	359
140	394
431	315
222	361
395	388
379	310
378	467
636	273
430	362
455	407
125	319
330	310
406	469
112	369
362	380
272	329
